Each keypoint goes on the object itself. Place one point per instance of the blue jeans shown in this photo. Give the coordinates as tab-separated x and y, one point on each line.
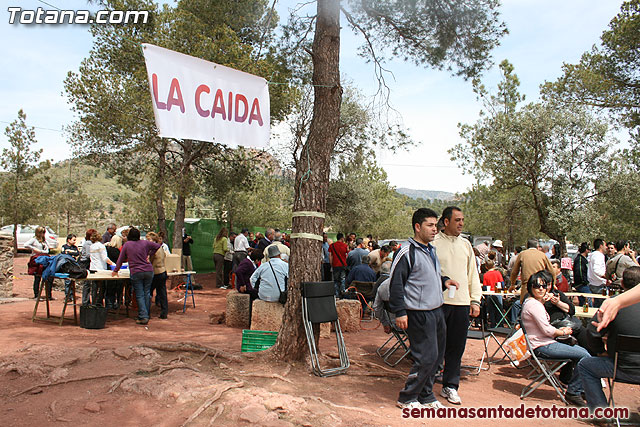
576	353
596	290
591	370
339	275
141	283
514	314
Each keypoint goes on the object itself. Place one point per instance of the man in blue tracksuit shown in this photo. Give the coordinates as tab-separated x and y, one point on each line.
416	298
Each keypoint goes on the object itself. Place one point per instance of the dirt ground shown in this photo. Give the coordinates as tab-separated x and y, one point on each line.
163	373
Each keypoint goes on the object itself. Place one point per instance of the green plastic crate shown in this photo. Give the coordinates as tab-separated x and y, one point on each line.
253	341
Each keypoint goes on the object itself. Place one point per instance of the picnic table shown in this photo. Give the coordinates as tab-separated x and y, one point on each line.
586	295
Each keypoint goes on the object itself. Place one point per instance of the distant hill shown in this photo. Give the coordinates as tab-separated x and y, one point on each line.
425	194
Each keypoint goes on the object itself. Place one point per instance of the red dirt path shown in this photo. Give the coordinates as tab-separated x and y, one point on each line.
33	353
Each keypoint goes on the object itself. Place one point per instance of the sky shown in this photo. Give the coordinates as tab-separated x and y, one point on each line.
543	35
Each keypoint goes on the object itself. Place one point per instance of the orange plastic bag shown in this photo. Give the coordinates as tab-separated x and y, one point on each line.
516	345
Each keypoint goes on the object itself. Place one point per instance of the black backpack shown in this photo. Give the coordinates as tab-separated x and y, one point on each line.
74	270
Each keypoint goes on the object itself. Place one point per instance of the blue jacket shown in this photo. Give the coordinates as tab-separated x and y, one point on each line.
416	284
53	264
361	273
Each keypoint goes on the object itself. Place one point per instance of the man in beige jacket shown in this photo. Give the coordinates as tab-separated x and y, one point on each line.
458	262
529	261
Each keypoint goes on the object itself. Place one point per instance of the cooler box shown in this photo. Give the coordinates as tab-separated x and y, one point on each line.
172	262
124	266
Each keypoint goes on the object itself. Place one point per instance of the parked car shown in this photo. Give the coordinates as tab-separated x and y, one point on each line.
118	231
26	232
124	227
477	240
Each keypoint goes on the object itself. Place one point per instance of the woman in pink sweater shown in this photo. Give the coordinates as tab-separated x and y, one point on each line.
535	320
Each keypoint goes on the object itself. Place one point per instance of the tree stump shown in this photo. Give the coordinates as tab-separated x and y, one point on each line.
266	316
238	314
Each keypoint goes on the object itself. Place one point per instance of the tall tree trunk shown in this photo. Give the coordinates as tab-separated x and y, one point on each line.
184	181
178	223
312	176
160	188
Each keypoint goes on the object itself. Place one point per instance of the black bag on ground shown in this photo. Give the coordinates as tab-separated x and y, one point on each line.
92	316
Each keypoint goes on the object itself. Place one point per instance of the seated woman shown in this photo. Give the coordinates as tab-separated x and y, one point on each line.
542	334
244	271
561	309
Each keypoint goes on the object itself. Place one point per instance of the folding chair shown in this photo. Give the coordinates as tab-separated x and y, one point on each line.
400	343
485	337
319	306
545	368
507	332
624	344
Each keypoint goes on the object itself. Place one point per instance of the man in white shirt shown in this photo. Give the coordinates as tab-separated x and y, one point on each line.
240	248
597	269
273	276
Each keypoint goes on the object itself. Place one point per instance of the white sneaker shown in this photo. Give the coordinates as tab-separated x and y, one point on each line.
435	405
409	405
451	394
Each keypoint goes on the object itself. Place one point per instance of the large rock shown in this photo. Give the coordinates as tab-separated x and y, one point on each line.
349	314
325	330
266	316
238	313
6	266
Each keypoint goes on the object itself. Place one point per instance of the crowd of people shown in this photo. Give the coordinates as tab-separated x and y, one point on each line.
258	263
431	287
436	285
144	259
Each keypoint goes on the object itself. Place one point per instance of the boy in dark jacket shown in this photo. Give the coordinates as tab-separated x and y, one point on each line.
70	249
416	299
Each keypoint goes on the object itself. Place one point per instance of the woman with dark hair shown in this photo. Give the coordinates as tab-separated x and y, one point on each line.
137	252
542	334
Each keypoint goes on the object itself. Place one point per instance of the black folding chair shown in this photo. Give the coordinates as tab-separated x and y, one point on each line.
319	306
400	342
544	369
624	344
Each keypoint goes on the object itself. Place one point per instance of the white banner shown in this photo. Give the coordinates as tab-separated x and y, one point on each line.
197	99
